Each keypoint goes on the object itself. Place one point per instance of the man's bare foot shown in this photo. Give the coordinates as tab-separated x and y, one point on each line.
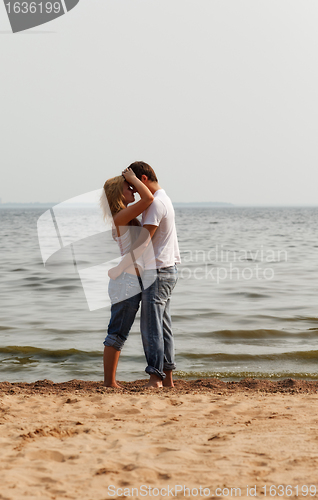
168	382
154	382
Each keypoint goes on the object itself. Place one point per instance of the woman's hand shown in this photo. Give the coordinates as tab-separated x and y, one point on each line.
129	175
114	272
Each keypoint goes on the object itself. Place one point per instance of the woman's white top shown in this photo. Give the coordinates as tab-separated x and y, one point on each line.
124	243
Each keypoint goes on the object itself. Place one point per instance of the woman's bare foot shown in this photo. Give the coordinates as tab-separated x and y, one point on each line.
113	384
111	357
154	382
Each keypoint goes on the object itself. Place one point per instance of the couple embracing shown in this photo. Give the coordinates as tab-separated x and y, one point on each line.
146	274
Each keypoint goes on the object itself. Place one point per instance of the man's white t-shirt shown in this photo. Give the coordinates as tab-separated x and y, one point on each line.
165	243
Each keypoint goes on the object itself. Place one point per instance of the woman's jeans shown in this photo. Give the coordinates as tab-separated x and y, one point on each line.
125	296
155	320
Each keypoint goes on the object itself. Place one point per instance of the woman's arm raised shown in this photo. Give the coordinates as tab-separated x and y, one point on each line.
146	198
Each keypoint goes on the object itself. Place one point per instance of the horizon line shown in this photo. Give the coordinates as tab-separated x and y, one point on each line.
200	203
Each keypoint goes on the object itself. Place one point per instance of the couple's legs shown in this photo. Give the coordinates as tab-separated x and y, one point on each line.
155	326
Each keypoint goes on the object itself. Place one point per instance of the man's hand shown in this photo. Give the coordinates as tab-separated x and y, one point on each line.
114	272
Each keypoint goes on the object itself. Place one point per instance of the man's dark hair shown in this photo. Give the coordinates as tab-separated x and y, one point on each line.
141	168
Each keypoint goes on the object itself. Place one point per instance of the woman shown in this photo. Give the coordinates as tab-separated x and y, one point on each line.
125	291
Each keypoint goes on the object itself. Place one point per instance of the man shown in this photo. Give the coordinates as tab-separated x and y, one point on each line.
155	320
161	260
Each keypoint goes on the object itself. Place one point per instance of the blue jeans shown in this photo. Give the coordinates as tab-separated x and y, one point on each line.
125	296
155	321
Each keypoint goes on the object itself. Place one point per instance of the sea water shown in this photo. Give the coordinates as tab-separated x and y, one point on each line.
245	304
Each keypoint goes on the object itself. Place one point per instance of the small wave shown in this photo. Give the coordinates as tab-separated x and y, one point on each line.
259	334
195	314
268	317
32	285
305	318
57	354
309	356
232	375
59	281
250	295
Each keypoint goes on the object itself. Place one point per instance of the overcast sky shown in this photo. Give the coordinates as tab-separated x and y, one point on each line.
219	96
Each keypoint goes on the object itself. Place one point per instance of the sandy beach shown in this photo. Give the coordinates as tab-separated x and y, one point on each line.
80	440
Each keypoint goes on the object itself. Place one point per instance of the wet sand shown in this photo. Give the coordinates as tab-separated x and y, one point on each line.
80	440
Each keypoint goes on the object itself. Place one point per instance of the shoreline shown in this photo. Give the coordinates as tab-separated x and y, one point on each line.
208	385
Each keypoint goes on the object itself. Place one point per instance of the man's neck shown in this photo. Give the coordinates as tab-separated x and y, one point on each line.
153	186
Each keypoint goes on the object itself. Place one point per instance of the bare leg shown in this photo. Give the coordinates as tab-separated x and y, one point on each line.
154	381
168	382
111	357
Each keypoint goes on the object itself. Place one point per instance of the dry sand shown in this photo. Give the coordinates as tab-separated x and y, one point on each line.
77	439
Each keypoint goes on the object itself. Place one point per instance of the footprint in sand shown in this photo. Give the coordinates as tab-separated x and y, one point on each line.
158	450
130	411
56	456
103	414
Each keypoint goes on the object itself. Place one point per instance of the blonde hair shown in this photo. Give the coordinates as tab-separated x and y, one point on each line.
113	202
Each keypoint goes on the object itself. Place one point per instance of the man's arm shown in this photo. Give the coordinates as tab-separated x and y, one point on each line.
151	229
137	250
